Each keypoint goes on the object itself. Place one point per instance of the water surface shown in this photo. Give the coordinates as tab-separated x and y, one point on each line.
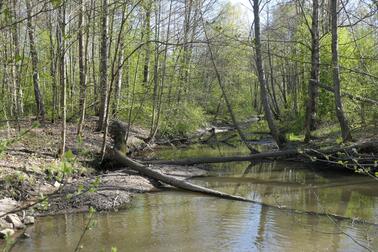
181	221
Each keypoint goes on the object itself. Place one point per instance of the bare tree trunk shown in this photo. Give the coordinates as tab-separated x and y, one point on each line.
228	104
93	52
82	69
34	57
119	78
271	73
345	131
103	69
52	70
62	77
147	34
261	76
156	70
310	122
17	91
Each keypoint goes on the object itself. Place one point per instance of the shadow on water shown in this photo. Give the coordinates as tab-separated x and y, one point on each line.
180	221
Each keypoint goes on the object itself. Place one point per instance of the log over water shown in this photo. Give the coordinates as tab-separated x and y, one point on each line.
119	157
305	153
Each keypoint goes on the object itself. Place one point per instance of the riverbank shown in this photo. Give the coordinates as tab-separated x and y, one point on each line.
31	174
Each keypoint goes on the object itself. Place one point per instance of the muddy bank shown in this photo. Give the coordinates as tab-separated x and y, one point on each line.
31	174
111	190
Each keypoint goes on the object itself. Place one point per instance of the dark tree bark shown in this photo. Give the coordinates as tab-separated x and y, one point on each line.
62	75
103	69
82	69
345	130
17	92
310	122
34	57
147	34
263	83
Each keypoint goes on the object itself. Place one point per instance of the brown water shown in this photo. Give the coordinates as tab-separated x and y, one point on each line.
180	221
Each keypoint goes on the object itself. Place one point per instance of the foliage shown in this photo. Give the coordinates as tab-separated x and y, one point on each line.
182	120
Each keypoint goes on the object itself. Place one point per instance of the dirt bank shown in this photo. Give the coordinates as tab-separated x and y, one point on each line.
30	173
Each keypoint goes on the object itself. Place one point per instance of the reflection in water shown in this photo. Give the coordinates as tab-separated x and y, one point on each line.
180	221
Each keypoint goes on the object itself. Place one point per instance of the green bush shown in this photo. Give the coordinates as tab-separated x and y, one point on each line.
182	120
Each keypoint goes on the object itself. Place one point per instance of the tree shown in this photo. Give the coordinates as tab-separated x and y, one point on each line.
314	75
34	57
103	68
345	131
82	68
280	140
62	74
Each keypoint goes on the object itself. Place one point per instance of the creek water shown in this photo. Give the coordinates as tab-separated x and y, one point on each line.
173	220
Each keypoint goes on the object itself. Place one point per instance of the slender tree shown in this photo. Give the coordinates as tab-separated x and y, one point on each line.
103	68
34	58
62	74
314	75
261	76
345	130
82	67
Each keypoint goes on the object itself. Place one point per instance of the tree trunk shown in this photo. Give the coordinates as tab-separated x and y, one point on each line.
224	94
62	75
280	140
345	131
156	70
147	34
16	67
310	122
82	69
34	57
103	69
170	180
310	154
54	88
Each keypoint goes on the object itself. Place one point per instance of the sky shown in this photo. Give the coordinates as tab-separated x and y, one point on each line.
246	8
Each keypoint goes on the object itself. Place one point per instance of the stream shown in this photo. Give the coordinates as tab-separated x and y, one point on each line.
173	220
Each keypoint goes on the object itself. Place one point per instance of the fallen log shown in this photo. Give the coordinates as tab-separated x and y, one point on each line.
209	160
119	157
305	153
170	180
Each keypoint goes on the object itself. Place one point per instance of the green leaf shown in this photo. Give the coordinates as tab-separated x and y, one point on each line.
68	155
17	58
56	3
80	188
339	140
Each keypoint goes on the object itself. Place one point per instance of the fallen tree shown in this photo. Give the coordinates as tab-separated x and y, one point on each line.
347	156
209	160
120	158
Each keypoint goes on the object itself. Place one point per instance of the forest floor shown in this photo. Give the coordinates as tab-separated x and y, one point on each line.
30	170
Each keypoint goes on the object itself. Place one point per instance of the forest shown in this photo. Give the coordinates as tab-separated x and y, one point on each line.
165	87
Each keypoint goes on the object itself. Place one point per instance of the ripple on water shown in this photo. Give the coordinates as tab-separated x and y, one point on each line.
180	221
